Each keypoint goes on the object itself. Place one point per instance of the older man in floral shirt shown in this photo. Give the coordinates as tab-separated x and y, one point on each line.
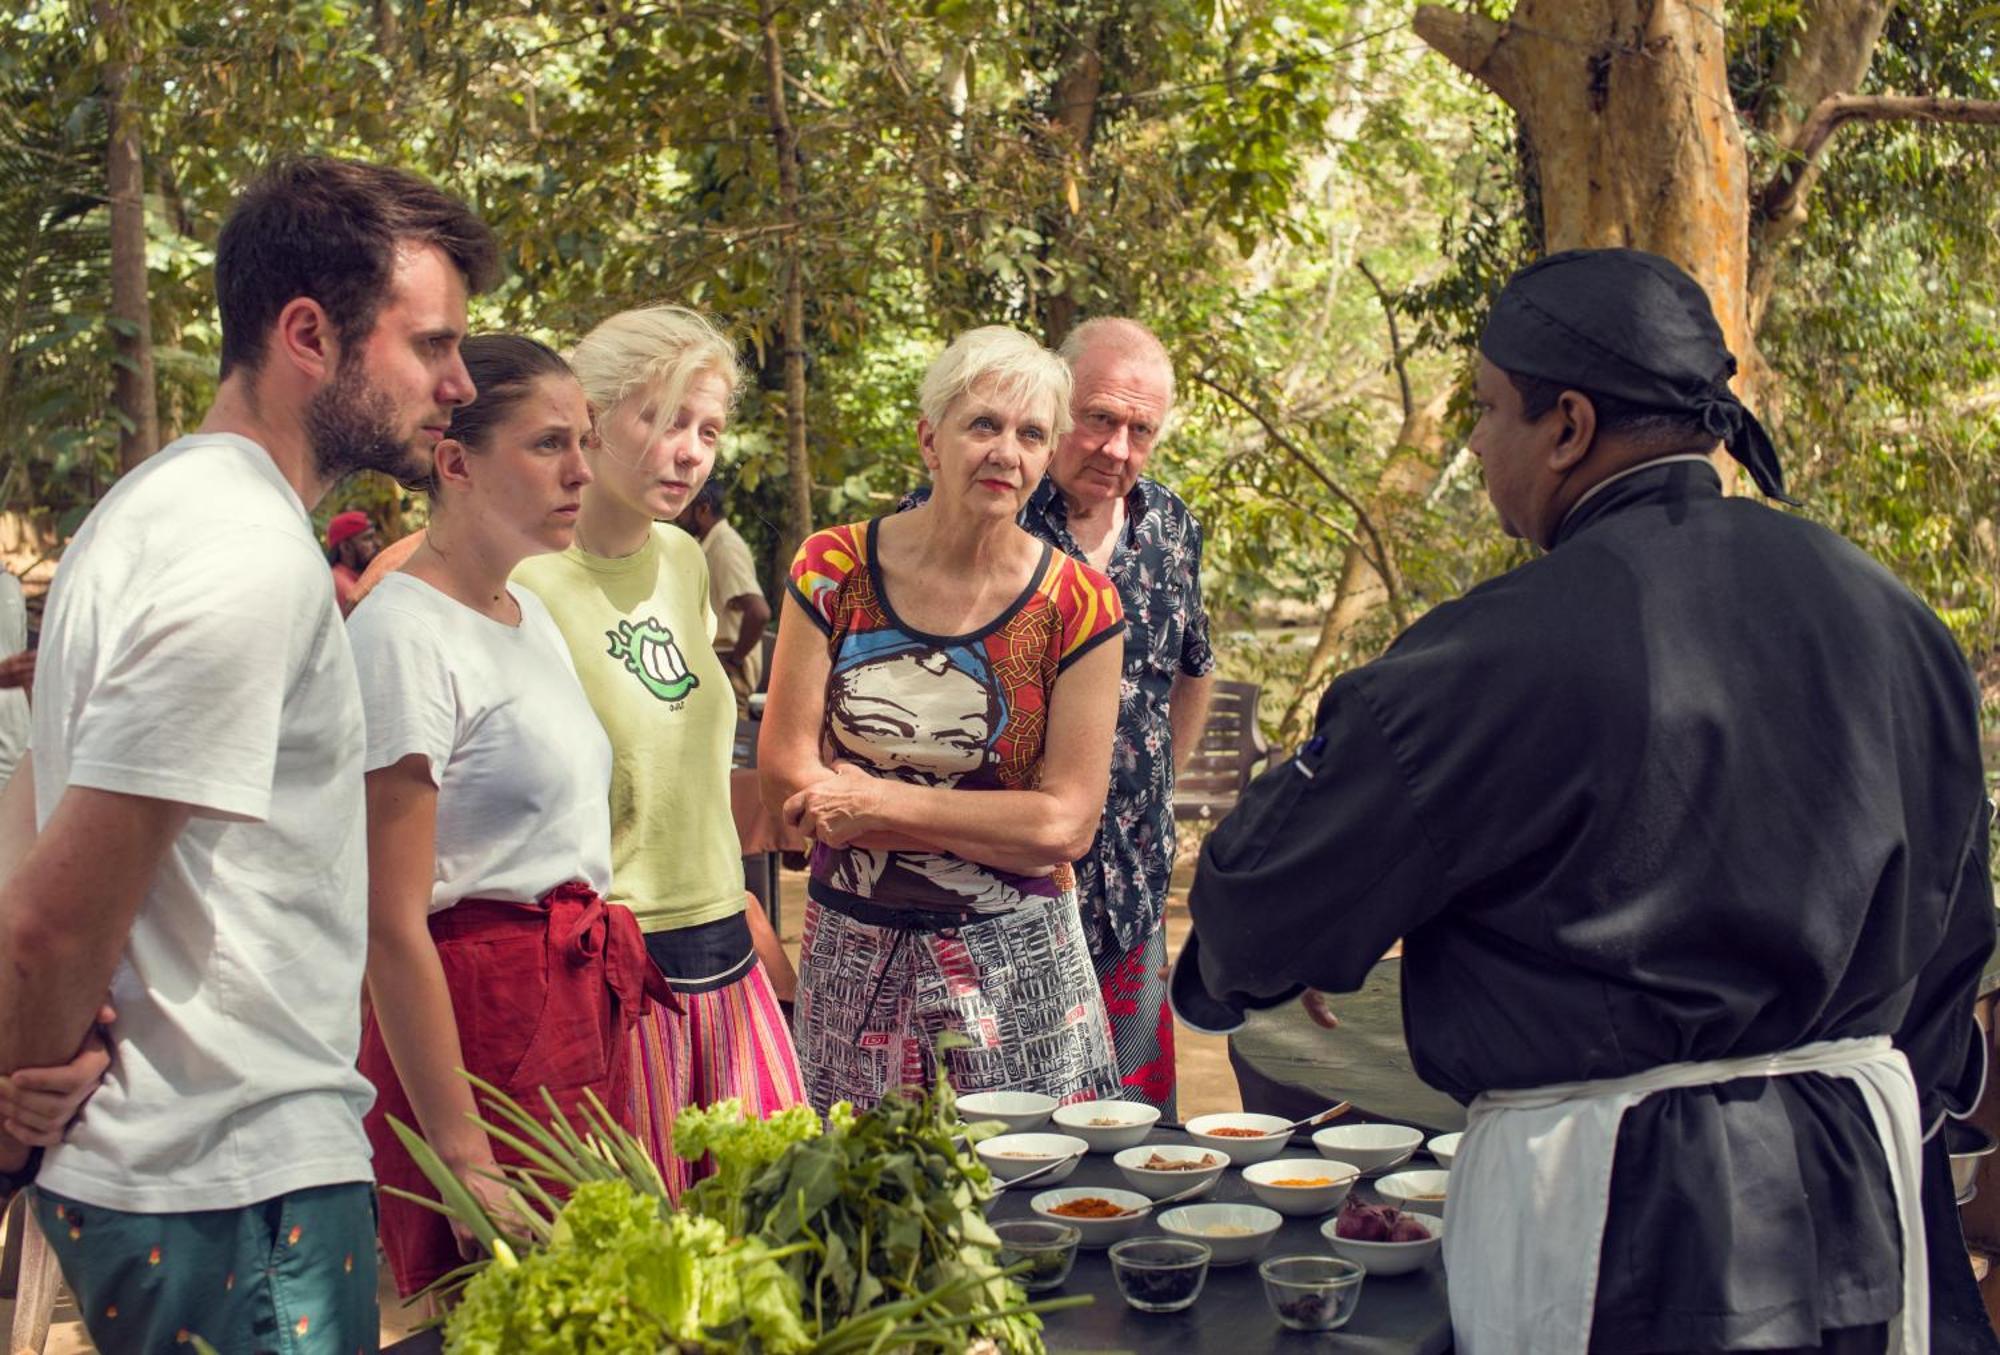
1096	505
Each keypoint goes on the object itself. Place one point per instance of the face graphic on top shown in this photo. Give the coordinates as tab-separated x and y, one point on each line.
914	715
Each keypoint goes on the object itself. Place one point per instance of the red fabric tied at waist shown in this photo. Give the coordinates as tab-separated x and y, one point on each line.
545	996
582	928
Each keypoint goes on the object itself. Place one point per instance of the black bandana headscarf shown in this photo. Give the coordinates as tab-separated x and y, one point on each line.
1625	323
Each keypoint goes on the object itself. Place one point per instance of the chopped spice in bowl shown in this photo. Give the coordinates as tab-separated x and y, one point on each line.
1094	1211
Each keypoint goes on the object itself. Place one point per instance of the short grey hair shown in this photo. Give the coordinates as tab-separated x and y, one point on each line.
1126	338
1018	369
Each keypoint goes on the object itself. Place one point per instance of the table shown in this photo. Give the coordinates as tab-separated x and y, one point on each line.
1398	1314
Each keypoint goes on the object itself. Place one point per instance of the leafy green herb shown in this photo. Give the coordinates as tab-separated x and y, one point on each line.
865	1234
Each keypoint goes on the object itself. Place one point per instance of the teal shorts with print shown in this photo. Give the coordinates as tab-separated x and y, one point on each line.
287	1276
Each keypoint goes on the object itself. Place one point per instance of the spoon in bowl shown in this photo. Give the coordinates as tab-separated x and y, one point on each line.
1330	1113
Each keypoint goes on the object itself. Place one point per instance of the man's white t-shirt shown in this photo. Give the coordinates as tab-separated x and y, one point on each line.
732	573
13	700
521	763
191	651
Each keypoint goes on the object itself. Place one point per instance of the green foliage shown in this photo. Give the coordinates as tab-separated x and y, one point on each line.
618	1276
1219	170
864	1234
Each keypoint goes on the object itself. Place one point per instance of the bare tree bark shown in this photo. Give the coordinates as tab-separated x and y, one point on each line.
1359	593
784	141
1626	106
1075	116
1780	200
134	393
1360	589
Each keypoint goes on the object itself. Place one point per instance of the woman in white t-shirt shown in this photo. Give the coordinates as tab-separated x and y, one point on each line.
491	947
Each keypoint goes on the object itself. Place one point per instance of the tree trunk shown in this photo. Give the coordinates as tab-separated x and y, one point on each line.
798	505
133	392
1074	116
1625	104
1360	592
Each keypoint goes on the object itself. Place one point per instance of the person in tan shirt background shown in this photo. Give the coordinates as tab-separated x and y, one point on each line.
741	612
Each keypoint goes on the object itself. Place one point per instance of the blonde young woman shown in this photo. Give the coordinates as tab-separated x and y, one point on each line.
490	946
631	599
940	717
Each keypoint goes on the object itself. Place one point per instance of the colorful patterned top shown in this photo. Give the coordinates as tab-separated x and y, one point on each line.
1121	882
966	711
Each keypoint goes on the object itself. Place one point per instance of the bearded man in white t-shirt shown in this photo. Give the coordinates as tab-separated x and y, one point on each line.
196	752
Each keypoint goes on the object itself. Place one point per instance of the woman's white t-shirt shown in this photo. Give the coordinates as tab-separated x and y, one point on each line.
522	766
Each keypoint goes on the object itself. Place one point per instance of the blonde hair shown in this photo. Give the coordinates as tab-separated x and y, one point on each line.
1016	368
659	349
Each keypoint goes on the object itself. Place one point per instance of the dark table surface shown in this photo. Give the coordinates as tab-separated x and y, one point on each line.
1397	1315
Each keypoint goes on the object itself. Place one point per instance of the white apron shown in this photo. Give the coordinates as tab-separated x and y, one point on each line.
1531	1185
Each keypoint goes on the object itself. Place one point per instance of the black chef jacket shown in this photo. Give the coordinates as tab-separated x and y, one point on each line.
1701	782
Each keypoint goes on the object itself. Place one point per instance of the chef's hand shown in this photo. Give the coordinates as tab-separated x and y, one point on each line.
1320	1008
18	670
838	809
37	1105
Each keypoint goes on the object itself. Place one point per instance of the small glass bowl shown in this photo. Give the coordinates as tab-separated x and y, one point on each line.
1048	1248
1159	1274
1312	1293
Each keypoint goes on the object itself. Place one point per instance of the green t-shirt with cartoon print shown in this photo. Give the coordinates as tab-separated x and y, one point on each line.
639	629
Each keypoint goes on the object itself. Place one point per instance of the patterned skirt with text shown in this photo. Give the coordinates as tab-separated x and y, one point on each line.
1019	987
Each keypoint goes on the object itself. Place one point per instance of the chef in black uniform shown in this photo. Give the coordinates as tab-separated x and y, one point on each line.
1684	830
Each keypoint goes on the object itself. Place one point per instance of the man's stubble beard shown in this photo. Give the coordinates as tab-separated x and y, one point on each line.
352	426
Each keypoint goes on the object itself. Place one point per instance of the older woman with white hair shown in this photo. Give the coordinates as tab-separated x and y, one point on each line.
939	723
631	599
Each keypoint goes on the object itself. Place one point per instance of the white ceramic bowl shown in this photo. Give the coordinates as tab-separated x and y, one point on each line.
1387	1258
1096	1232
1301	1201
1010	1155
1154	1183
1444	1148
1131	1121
1371	1147
1242	1150
1422	1190
1021	1112
1214	1225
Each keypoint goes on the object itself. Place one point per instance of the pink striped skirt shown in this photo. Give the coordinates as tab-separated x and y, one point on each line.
728	1042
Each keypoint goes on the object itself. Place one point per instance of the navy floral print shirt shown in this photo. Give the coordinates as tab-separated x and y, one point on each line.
1122	881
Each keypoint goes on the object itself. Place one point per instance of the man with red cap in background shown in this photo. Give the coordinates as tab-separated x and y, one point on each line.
351	543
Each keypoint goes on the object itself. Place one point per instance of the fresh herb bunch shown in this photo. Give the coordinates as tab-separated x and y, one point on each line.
862	1235
891	1203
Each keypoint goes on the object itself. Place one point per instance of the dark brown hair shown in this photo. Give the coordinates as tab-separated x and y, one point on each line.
328	229
503	367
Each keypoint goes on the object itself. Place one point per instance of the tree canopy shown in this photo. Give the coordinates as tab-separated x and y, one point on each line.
1306	199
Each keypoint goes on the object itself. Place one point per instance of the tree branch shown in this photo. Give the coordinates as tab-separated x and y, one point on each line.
1395	338
1376	553
1475	44
1835	111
